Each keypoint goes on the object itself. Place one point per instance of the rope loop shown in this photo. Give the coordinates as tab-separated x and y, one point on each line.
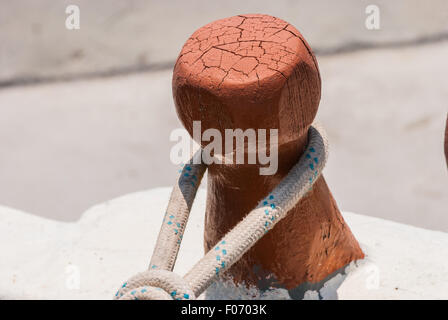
155	285
161	283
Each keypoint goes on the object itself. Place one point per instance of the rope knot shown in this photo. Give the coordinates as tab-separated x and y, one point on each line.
155	285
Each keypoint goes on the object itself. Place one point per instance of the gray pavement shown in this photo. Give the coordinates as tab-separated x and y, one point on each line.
384	111
66	146
122	36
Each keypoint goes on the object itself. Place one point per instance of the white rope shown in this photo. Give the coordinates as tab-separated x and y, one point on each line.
155	285
238	241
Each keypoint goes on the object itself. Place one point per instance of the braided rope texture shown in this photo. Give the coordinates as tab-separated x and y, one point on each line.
155	285
176	216
234	244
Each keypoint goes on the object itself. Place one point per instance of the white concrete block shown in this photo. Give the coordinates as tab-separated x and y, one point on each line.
90	258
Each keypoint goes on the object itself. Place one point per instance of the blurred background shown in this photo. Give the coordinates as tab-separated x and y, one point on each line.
85	115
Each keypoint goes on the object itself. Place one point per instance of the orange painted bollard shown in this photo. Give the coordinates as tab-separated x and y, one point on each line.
257	72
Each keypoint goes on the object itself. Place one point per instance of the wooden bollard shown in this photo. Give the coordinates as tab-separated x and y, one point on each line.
258	72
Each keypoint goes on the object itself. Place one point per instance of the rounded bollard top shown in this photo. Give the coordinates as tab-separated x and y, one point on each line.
247	71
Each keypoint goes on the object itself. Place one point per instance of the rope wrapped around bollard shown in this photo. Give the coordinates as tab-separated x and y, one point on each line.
160	283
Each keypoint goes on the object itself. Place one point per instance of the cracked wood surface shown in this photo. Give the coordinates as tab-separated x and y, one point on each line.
257	71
